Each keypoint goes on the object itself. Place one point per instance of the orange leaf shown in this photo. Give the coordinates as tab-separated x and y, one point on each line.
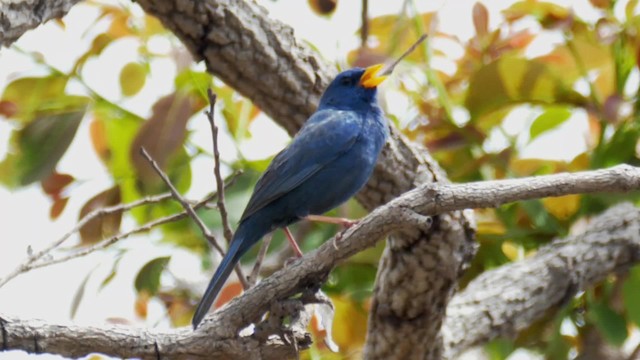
141	304
98	134
228	292
57	208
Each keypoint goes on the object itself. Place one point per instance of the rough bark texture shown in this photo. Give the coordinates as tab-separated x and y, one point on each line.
35	336
18	16
409	213
261	58
501	302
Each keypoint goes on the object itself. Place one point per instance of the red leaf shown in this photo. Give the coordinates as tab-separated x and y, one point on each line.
228	292
55	183
98	134
8	108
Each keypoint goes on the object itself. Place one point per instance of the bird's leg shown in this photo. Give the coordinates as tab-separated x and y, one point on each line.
292	241
346	223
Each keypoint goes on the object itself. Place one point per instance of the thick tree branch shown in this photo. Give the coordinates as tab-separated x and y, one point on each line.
18	16
501	302
35	336
607	246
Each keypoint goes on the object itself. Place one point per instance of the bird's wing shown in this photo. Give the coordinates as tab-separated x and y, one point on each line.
326	135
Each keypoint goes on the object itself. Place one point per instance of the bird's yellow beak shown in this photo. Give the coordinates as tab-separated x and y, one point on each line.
370	79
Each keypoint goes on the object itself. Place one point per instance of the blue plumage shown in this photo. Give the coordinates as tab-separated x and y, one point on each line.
327	162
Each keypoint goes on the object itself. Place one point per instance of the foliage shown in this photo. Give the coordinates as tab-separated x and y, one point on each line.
479	121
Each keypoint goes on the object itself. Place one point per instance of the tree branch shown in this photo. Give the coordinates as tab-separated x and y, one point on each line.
33	261
18	16
501	302
36	336
611	243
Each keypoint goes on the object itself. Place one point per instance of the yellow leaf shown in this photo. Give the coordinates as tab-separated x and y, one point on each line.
491	228
349	325
562	207
511	250
488	223
180	313
527	167
132	78
580	162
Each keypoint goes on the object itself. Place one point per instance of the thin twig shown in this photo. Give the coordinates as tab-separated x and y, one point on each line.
26	265
228	234
192	214
364	31
255	272
222	208
187	207
30	264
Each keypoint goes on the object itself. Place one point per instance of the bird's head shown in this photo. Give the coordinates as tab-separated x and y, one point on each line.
353	89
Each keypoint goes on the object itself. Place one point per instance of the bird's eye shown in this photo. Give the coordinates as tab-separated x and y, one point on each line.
346	82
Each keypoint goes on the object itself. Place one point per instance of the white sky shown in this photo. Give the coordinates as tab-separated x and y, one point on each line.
47	293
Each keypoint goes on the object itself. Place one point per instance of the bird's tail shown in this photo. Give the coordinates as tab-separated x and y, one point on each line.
242	241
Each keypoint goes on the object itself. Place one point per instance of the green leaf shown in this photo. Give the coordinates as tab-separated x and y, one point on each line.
31	94
132	78
631	295
148	279
112	274
548	120
499	349
510	80
77	298
195	83
120	128
36	149
355	279
611	324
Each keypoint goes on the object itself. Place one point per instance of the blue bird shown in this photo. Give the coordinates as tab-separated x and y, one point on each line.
327	162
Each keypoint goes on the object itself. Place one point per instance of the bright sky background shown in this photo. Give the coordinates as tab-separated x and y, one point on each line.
48	293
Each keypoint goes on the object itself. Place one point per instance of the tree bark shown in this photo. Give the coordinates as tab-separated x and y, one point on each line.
18	16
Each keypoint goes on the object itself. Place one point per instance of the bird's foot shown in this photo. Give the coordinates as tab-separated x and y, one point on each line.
289	261
344	222
340	234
